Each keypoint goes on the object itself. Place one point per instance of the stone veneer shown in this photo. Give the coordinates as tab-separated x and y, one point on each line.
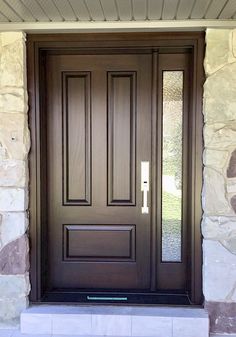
14	147
219	190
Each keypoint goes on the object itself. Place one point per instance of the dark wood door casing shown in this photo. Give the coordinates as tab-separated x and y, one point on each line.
42	46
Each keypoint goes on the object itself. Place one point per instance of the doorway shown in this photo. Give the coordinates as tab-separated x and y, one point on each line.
117	174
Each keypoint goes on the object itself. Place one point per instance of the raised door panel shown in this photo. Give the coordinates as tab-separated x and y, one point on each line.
106	243
76	139
121	138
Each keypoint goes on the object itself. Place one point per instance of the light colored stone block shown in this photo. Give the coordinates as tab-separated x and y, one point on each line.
13	100
11	308
216	159
12	226
217	51
214	190
8	38
221	83
220	95
111	325
65	324
13	173
218	112
152	326
190	327
12	66
36	324
219	272
14	135
13	199
218	228
14	286
220	136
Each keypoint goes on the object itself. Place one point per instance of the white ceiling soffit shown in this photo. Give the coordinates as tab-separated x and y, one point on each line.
109	15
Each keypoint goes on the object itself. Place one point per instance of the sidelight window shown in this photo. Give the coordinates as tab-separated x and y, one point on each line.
172	157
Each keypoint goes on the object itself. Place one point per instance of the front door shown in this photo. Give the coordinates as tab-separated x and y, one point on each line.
116	175
98	134
116	167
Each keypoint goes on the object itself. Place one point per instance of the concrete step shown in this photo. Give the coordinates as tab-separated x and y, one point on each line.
99	320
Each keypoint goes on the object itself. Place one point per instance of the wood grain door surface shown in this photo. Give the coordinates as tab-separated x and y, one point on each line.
98	132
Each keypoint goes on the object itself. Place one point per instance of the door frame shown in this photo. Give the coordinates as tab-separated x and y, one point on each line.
37	46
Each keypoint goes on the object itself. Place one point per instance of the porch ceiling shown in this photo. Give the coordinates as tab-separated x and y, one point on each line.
113	14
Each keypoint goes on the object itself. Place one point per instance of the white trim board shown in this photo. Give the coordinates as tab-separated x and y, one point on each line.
111	26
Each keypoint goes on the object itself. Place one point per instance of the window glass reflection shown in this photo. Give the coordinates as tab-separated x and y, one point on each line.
172	145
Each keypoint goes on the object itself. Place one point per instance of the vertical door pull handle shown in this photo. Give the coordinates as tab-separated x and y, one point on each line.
145	185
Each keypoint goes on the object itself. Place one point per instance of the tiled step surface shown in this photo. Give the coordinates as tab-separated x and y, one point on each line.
115	321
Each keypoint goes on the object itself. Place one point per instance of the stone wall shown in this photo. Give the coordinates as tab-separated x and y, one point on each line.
14	147
219	190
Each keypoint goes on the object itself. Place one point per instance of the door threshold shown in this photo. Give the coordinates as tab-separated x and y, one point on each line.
167	298
87	320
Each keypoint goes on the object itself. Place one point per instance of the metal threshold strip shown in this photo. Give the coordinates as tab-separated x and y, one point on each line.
103	298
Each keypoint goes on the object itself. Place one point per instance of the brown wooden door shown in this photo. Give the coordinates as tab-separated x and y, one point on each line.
98	132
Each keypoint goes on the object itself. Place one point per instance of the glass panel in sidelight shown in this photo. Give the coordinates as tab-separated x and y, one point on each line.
172	158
